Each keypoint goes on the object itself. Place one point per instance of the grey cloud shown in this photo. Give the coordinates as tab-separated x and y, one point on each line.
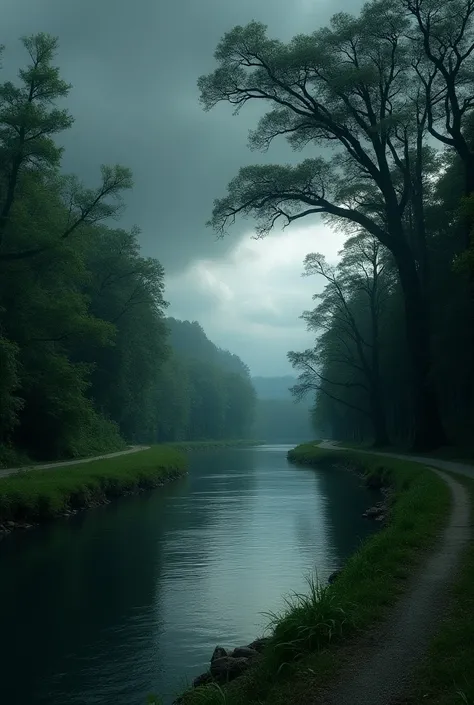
134	67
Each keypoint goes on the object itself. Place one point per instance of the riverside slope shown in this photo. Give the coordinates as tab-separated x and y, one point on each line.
62	464
379	671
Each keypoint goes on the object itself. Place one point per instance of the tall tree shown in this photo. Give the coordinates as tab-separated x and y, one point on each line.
86	359
444	63
29	121
348	87
347	323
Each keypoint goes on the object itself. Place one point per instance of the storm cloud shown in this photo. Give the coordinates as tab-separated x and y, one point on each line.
133	67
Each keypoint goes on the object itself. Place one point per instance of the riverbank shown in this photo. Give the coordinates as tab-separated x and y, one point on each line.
308	639
445	677
34	496
12	461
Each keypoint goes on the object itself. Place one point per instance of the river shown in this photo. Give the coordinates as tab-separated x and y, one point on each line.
131	598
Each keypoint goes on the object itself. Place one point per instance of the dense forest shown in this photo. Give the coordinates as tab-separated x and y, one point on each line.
278	418
88	360
386	99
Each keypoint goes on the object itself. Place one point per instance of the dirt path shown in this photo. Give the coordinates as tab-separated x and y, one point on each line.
449	465
379	673
52	466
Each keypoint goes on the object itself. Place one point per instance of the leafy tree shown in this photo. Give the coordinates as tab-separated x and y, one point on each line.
172	400
86	354
347	322
448	299
351	87
126	290
444	38
239	406
221	397
50	321
10	404
28	123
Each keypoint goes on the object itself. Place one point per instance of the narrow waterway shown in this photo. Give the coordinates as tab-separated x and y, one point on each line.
132	598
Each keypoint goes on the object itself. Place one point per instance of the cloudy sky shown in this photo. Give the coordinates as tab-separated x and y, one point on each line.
134	67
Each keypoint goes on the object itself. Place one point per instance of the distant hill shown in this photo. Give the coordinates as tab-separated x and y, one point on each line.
189	340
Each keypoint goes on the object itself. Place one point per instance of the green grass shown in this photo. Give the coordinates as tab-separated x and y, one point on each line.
36	495
305	649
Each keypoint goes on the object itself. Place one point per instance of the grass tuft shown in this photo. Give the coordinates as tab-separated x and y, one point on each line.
308	622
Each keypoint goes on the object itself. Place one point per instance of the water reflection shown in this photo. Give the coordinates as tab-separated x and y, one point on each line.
132	597
345	500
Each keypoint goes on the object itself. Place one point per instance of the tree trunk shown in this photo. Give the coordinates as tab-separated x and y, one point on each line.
379	422
377	402
469	175
429	432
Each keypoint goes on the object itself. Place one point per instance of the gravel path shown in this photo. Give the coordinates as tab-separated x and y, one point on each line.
451	466
52	466
379	673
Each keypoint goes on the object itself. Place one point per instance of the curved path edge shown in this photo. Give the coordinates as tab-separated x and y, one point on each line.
449	465
379	673
51	466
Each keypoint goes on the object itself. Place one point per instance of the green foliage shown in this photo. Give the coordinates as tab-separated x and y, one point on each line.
211	694
342	409
44	494
10	404
28	122
366	91
13	458
86	356
344	365
309	622
217	398
153	700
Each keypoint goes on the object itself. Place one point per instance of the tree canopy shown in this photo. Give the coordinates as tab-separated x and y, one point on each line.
88	360
371	93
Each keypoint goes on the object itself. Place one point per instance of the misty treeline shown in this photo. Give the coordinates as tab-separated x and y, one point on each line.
277	418
88	360
381	105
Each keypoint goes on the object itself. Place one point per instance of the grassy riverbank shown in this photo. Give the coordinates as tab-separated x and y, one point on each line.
38	495
305	649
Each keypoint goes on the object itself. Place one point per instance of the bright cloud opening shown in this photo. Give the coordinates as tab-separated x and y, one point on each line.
250	300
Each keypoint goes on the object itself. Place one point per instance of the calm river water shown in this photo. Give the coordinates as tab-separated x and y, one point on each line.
132	598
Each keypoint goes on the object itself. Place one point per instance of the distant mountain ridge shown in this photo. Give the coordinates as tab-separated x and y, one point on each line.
189	340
